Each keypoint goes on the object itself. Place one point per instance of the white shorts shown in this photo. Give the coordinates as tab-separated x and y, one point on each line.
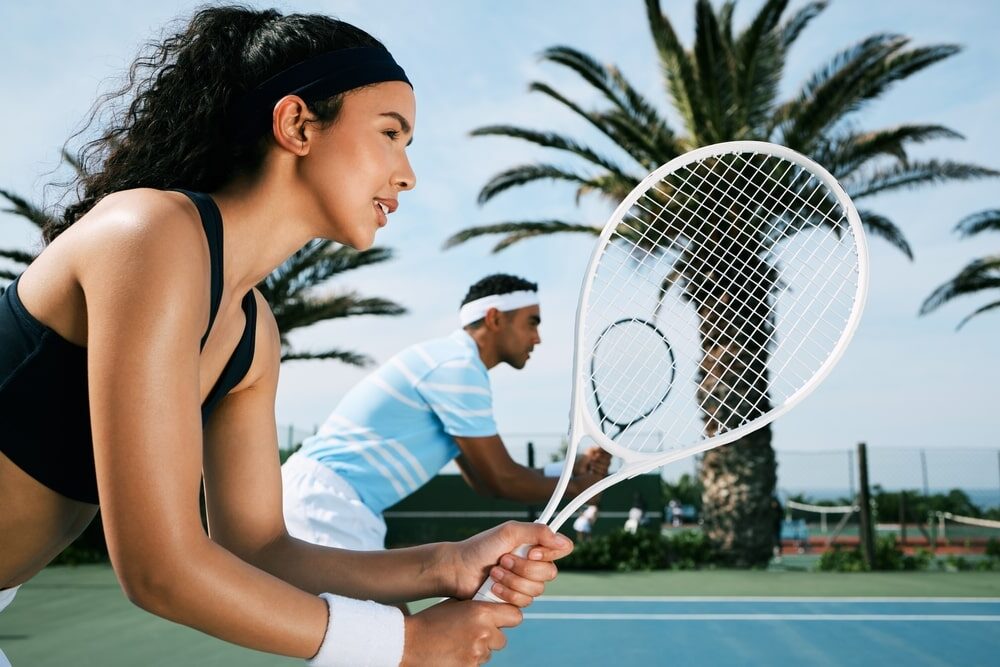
582	524
6	597
321	507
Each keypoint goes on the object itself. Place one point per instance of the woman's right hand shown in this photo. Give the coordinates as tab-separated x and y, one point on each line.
457	633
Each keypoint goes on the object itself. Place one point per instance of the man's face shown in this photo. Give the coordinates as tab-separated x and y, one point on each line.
519	335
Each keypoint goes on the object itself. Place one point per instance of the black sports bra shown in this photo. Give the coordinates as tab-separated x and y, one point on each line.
44	399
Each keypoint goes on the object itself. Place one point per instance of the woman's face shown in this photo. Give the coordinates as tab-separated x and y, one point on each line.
358	166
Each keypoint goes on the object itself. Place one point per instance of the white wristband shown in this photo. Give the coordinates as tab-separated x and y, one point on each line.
553	469
360	634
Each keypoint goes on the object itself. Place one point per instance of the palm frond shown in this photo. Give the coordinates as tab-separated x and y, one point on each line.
980	274
828	93
25	209
19	256
678	70
524	174
290	291
725	19
298	313
793	27
913	174
522	230
613	187
352	358
854	77
882	227
548	140
599	120
977	311
313	265
847	154
625	99
759	59
714	68
979	222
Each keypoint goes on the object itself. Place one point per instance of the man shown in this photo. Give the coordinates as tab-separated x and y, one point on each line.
429	404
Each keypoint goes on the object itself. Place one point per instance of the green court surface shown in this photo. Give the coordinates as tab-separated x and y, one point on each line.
78	615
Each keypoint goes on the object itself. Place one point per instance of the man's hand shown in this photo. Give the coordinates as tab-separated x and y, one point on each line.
519	580
594	461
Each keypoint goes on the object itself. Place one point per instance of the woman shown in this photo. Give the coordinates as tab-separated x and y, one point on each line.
140	326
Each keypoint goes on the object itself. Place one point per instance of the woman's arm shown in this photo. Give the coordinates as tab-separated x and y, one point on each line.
146	312
243	494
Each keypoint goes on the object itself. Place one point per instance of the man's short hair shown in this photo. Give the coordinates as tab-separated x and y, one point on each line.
497	283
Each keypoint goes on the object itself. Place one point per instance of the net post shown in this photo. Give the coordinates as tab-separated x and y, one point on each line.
850	474
902	517
532	514
864	500
923	469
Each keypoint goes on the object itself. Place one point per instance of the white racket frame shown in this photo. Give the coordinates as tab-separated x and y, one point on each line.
582	423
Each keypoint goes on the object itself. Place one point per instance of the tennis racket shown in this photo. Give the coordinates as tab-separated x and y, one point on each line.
642	338
756	260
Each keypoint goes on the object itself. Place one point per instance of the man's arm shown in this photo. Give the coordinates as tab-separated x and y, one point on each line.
490	471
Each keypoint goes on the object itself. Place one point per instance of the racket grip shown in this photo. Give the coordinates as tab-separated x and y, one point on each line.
485	592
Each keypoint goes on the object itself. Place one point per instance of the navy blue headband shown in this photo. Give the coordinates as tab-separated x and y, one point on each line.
319	78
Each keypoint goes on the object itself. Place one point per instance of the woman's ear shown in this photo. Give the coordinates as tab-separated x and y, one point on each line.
288	124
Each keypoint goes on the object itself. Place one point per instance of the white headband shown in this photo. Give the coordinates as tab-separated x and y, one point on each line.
476	310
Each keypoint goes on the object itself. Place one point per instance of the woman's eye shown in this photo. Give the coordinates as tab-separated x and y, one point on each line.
392	134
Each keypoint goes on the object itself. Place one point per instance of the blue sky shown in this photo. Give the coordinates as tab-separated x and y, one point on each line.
906	381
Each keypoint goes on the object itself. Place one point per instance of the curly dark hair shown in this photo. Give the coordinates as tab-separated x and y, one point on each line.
171	124
498	283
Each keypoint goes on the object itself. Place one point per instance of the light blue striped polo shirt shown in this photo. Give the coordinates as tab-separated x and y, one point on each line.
393	431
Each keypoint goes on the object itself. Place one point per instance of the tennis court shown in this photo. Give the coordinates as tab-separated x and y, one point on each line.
757	631
72	616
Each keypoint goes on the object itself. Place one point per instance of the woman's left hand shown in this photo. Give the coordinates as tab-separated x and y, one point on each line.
518	580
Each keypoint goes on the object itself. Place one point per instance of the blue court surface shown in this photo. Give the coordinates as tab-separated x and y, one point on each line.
756	631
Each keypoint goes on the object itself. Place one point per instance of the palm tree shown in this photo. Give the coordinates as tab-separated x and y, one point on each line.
290	289
726	88
979	275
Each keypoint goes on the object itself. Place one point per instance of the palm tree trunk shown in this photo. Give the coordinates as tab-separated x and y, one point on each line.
738	480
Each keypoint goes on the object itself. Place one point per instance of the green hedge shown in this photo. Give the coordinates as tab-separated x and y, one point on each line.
644	550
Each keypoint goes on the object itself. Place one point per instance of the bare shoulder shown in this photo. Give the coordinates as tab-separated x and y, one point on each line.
141	233
143	214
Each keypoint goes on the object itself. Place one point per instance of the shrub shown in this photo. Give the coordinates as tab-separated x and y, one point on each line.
644	550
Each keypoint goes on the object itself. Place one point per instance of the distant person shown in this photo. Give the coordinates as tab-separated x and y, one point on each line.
676	513
427	405
584	524
635	514
776	522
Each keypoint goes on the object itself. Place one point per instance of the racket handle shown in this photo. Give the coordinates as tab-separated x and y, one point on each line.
485	592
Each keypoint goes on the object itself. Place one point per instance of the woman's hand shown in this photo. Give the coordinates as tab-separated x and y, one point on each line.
457	634
488	554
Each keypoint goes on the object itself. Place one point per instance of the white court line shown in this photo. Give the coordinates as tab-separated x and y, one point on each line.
854	618
670	598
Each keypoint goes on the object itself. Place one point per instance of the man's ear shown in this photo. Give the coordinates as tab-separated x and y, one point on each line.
288	124
493	319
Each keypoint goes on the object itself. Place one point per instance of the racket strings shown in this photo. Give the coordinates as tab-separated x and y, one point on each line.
730	215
